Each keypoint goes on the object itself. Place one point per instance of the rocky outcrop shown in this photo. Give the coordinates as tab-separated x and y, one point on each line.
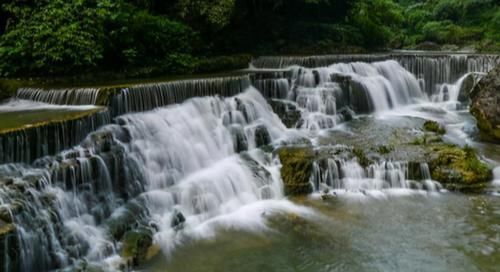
486	105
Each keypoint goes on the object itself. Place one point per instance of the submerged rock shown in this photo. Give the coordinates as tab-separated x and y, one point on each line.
486	105
296	170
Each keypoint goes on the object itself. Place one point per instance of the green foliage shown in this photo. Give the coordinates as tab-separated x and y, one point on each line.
448	10
139	38
460	22
49	38
45	37
378	21
215	13
223	63
493	27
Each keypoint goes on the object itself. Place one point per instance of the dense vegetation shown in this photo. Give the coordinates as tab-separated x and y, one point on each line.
61	37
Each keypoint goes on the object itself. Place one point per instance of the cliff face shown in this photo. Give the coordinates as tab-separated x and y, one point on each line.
486	105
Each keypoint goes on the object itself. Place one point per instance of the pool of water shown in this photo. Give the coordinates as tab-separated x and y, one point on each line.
393	231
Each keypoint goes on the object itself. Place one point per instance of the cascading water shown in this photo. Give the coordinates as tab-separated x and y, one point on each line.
361	87
191	150
458	91
348	175
433	69
150	96
28	143
183	158
61	96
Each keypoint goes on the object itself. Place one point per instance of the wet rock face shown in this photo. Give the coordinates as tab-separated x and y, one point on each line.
467	87
287	112
486	105
262	136
296	170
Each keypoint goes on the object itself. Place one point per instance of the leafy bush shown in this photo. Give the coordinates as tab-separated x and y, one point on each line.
52	37
377	20
447	32
448	10
139	38
493	27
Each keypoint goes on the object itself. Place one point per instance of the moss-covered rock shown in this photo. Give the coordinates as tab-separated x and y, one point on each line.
136	244
486	105
296	170
131	216
433	126
363	160
458	168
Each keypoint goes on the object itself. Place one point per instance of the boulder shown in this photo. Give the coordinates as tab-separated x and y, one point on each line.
486	105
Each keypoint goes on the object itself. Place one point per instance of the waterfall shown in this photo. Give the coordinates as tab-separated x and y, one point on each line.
144	170
83	96
277	62
436	70
362	87
58	206
28	144
349	175
273	88
433	69
459	90
150	96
